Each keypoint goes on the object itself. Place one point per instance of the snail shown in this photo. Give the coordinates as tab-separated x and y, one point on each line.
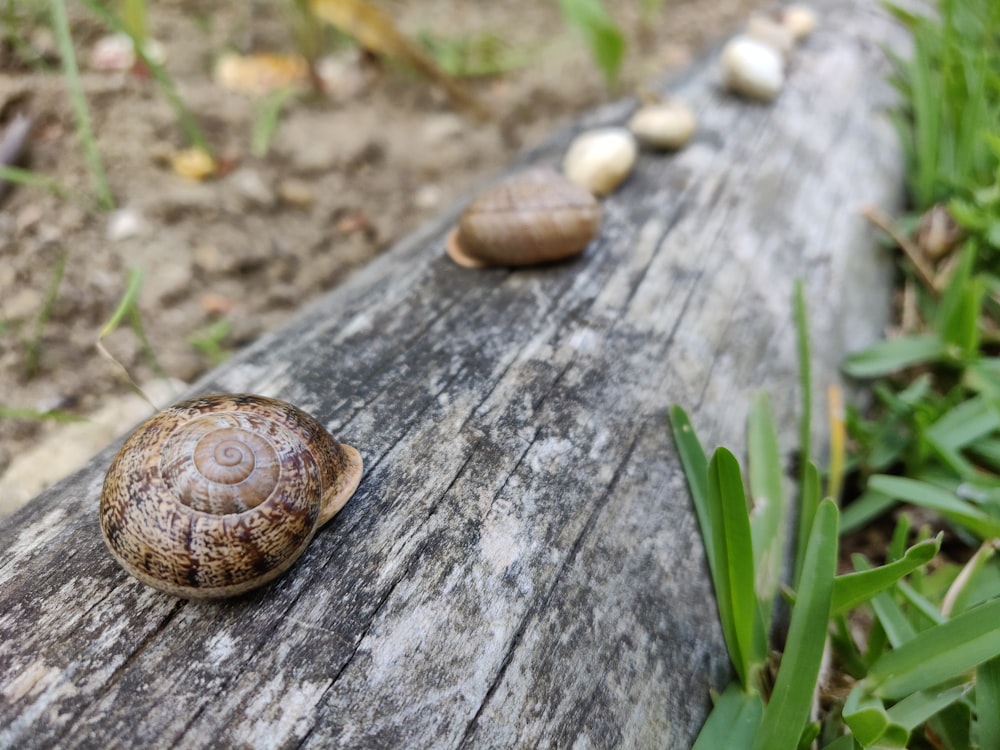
536	216
218	495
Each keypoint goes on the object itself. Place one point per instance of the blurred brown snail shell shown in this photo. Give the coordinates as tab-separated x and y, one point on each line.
218	495
536	216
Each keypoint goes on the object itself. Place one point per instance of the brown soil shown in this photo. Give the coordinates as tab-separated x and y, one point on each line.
345	177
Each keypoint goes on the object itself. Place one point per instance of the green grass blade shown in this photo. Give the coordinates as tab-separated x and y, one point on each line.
917	708
943	501
767	522
957	316
939	653
952	726
125	304
890	616
921	604
959	427
886	357
870	722
843	743
184	117
731	531
604	38
898	629
852	589
11	412
988	702
733	722
800	313
27	178
60	26
695	464
786	714
978	581
864	509
808	503
266	122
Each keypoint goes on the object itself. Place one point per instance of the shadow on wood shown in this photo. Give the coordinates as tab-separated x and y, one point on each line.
521	565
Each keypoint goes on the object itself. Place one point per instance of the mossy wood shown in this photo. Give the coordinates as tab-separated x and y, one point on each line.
521	564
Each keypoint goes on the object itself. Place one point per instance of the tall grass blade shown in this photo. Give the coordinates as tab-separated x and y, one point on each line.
787	713
27	178
887	357
770	508
801	315
730	524
809	500
853	589
917	708
184	117
988	702
943	501
64	41
938	654
695	464
733	722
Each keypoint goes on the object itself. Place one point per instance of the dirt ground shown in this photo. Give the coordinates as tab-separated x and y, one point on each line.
230	257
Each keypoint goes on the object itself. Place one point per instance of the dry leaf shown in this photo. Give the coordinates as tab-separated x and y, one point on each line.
260	73
193	163
376	32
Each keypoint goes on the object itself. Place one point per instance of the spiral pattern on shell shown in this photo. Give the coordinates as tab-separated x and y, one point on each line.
220	494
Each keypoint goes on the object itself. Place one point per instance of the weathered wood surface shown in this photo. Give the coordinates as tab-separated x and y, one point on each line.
520	566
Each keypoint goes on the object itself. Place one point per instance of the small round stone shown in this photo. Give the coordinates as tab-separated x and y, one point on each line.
752	69
601	159
668	125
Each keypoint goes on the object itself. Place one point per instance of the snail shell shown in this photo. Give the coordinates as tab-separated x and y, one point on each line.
537	216
218	495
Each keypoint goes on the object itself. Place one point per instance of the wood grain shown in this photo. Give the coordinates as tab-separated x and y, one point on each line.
521	564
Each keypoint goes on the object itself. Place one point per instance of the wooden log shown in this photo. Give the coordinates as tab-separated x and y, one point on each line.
521	565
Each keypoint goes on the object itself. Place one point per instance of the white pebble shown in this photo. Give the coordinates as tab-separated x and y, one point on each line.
125	223
799	20
752	68
668	125
601	159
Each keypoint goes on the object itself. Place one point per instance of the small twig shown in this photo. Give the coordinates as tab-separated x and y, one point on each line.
125	309
925	272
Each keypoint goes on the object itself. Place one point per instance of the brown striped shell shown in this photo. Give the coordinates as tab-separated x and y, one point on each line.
536	216
220	494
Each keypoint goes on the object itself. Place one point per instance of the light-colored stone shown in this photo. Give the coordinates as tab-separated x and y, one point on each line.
295	193
126	223
800	20
252	188
752	69
601	159
668	125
